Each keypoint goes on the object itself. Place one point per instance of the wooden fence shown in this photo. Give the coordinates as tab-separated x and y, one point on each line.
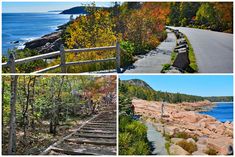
12	62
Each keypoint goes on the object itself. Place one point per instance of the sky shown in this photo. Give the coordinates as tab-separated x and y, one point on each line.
18	7
200	85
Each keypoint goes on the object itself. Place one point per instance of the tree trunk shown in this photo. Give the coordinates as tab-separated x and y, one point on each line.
3	90
32	104
25	113
52	108
12	131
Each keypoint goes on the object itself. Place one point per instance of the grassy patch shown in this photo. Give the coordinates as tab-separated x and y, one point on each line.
193	64
167	146
165	67
188	146
173	56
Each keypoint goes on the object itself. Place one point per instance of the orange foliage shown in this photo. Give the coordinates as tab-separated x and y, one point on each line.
225	9
145	26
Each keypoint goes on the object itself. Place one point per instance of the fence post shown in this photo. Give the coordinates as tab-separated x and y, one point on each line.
118	57
11	63
62	59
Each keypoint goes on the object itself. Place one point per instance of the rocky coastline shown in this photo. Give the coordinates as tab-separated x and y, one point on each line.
181	123
47	43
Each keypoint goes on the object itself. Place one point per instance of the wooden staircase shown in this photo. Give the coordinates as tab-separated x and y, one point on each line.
95	137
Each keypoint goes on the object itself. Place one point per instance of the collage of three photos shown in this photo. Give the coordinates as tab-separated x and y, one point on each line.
117	78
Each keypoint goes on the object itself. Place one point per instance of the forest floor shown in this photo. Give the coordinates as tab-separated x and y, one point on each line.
38	140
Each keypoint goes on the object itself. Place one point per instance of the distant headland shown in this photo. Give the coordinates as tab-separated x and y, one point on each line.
81	10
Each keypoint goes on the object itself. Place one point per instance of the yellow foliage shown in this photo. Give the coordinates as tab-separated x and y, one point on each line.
93	30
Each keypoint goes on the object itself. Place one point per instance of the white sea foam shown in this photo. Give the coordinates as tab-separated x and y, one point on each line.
29	39
21	46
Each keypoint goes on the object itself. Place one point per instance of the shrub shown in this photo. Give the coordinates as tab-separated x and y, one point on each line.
93	30
211	151
141	148
132	137
144	27
127	51
124	140
26	67
188	146
167	137
185	135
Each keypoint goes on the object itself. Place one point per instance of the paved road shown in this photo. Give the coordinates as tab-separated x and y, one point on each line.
213	50
152	62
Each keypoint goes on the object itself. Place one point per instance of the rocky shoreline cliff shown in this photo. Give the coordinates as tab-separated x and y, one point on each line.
48	43
204	132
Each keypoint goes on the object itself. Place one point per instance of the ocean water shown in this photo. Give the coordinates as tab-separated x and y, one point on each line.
24	27
222	112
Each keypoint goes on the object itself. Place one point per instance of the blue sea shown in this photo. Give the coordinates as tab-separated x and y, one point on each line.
222	111
24	27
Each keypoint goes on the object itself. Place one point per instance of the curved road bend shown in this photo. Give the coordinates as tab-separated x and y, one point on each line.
213	50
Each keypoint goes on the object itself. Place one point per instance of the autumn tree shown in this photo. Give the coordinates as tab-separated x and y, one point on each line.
91	31
145	26
206	15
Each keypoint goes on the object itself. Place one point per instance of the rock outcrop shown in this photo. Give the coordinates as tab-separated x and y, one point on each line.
211	133
177	150
47	43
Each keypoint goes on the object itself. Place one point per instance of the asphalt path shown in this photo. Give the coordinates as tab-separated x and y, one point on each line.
153	61
213	50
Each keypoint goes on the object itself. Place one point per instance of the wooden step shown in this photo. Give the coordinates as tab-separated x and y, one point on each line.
83	151
96	136
72	152
93	128
97	131
100	126
95	142
114	124
103	121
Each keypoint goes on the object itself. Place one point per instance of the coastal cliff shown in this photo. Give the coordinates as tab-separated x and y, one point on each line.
204	132
47	43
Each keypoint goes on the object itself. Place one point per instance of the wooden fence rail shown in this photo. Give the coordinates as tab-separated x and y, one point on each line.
12	62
